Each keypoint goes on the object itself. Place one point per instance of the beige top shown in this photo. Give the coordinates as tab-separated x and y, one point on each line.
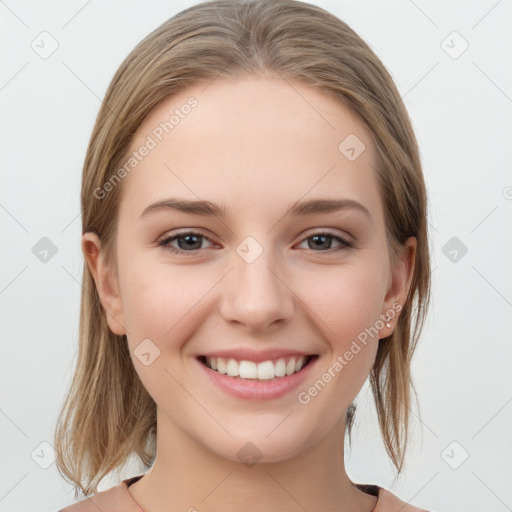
119	499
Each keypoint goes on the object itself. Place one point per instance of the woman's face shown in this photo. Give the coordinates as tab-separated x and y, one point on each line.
256	284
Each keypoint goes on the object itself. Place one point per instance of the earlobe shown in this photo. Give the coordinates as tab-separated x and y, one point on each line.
401	278
105	280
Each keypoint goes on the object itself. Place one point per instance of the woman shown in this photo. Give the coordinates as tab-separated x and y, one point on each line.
255	235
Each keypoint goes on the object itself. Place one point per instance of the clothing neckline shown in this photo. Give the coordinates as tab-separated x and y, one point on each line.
371	489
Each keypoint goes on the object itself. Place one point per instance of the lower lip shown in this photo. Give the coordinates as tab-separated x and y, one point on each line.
253	389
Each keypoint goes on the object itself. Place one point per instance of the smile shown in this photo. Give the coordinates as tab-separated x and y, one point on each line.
264	370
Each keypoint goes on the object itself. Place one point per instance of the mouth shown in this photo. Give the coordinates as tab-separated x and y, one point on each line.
270	370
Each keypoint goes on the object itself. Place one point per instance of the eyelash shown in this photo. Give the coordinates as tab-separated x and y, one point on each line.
166	241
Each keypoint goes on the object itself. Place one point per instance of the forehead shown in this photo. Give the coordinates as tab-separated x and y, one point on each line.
254	142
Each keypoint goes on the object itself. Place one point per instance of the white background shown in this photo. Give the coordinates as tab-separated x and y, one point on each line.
461	109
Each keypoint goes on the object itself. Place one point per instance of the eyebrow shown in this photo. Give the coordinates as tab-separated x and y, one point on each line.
297	209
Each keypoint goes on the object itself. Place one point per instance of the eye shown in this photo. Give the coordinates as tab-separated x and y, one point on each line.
192	240
318	241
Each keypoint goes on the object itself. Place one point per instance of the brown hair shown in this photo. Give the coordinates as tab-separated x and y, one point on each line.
108	415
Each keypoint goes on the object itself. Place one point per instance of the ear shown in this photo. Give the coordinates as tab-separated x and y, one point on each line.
401	277
106	282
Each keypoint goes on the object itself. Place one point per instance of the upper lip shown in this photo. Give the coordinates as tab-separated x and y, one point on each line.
256	355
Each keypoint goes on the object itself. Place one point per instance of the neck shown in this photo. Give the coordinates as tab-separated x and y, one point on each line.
187	476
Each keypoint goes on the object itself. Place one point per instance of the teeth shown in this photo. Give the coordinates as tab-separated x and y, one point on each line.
265	370
247	370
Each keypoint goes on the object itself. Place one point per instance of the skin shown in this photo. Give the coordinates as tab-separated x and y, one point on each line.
256	145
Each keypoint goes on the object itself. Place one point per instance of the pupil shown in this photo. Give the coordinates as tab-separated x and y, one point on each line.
315	237
189	238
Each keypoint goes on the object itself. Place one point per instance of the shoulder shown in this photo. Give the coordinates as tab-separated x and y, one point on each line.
389	502
386	500
115	499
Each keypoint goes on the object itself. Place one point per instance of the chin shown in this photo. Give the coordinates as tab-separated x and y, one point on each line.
252	447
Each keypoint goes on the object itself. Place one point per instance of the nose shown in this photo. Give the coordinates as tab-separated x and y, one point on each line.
257	294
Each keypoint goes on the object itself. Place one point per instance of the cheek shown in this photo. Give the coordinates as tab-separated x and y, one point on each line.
347	304
164	301
347	301
157	302
158	305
